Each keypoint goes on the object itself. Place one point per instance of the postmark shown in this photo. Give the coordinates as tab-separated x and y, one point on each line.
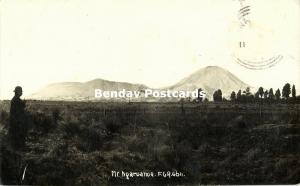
261	64
252	61
243	13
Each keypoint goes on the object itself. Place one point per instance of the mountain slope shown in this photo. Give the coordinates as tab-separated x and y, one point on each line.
210	79
81	91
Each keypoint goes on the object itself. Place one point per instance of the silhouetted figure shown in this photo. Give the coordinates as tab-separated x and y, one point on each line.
18	120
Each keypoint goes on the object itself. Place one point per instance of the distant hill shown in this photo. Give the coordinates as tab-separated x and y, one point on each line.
209	79
82	91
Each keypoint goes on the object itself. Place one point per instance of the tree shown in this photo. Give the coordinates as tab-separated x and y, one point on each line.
286	91
256	96
271	94
247	92
266	94
239	95
294	92
199	98
232	96
277	95
261	92
248	97
217	96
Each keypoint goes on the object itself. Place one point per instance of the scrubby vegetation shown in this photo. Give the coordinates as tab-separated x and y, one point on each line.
80	143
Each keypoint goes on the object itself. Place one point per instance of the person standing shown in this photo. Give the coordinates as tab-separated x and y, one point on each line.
17	121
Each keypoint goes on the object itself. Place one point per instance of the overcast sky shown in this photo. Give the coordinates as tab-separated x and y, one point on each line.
153	42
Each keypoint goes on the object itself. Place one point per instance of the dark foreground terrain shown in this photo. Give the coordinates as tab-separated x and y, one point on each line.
81	143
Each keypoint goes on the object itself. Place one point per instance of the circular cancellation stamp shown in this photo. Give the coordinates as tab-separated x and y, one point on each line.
255	42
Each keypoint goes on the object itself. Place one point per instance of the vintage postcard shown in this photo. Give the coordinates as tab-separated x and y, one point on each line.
149	92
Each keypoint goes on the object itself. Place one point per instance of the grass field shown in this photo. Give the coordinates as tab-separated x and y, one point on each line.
80	143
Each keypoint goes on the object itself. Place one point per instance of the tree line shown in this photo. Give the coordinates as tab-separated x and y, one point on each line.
287	94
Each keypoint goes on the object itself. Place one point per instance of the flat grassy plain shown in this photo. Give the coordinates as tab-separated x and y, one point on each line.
81	143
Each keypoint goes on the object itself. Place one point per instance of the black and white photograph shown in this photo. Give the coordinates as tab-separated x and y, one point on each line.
149	92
